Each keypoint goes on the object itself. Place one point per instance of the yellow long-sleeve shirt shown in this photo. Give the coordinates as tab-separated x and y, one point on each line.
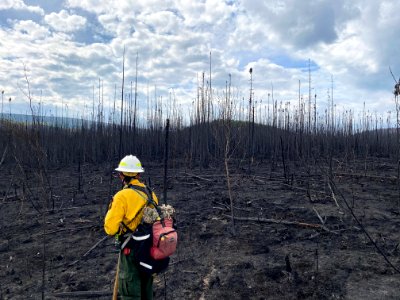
124	207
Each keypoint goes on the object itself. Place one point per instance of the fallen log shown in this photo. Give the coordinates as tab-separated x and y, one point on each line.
393	179
82	294
65	229
284	222
303	189
95	245
197	177
319	216
89	251
11	197
4	155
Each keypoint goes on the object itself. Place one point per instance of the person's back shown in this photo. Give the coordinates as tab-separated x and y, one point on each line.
124	214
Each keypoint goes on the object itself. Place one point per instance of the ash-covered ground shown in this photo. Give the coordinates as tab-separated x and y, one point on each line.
292	239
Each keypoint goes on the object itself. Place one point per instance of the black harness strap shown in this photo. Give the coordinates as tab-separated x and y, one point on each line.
142	189
126	225
149	194
148	191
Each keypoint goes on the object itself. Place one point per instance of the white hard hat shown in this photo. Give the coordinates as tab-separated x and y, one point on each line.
130	165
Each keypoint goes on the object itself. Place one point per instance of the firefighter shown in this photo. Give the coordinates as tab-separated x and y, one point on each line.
125	211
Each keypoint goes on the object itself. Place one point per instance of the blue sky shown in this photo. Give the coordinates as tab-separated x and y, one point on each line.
65	47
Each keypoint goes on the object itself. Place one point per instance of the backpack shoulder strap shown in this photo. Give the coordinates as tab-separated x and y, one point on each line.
148	200
147	191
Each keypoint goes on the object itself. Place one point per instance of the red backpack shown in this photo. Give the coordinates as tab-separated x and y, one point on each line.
165	239
163	231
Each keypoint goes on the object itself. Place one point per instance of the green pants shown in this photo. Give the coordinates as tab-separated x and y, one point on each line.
132	284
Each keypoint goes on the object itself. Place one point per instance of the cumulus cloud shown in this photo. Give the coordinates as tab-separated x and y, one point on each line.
20	5
165	22
65	22
96	6
29	30
352	42
302	24
365	48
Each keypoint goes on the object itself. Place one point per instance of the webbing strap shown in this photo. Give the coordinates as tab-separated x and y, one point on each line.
140	210
149	194
126	225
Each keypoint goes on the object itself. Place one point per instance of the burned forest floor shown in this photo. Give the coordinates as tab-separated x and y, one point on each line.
294	236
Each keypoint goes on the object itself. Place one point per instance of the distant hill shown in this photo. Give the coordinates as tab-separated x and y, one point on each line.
49	120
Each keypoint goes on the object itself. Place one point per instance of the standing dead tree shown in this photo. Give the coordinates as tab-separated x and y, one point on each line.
251	123
120	149
227	135
166	148
226	123
396	93
36	158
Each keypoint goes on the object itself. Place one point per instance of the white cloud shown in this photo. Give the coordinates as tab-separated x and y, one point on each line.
119	8
65	22
203	13
350	40
20	5
96	6
353	41
301	24
30	31
164	22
